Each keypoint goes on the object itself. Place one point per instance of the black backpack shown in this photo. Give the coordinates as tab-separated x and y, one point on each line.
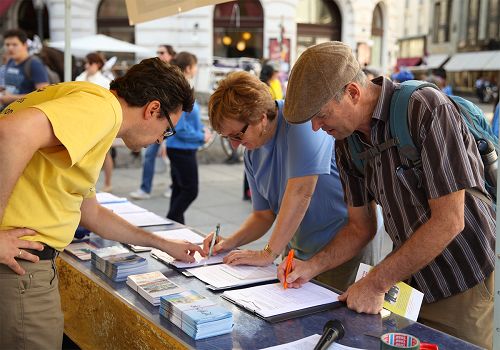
53	76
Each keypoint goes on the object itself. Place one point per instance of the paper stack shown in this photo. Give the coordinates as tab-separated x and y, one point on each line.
153	285
196	315
117	262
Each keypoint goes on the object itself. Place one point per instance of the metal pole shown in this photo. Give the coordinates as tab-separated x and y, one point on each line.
67	40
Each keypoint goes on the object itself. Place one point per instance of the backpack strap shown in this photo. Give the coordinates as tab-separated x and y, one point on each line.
27	67
398	118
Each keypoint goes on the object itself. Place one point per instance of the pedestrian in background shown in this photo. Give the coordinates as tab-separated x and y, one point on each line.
165	53
183	146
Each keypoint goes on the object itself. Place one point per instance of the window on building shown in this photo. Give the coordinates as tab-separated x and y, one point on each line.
238	29
473	22
377	36
112	20
317	22
33	18
493	20
441	21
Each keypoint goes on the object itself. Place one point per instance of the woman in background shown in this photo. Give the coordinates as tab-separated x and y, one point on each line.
93	74
182	147
269	76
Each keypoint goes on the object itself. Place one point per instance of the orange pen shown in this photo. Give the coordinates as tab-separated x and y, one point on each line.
289	260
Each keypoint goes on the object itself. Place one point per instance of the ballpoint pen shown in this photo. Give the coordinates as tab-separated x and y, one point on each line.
214	239
288	268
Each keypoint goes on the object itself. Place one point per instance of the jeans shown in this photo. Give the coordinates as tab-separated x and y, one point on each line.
184	171
148	168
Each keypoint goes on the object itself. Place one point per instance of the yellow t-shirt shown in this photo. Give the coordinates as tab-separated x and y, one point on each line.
47	197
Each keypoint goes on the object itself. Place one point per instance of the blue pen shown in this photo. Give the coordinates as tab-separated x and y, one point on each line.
214	238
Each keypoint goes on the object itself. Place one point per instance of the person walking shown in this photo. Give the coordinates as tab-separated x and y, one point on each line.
183	146
165	53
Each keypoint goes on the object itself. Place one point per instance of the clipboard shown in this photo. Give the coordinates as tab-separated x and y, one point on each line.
292	314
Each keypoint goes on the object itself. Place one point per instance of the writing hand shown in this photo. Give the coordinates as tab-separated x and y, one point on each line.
12	248
301	273
220	245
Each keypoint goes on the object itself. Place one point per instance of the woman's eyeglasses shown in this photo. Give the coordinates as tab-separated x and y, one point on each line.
238	136
159	53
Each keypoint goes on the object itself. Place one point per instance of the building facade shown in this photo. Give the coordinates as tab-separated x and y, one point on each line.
275	29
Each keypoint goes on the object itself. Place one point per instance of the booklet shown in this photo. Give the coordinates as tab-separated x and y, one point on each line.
199	260
196	315
401	299
182	234
224	276
153	285
81	250
274	303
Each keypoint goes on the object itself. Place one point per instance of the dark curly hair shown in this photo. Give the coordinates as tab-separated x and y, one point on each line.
153	79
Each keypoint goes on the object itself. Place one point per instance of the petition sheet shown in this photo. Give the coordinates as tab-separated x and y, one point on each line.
200	261
182	233
226	276
124	208
272	299
145	219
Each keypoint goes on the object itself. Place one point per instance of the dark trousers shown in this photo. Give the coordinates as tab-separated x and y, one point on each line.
184	172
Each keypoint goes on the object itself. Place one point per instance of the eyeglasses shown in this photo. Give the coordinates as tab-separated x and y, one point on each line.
170	130
238	136
159	53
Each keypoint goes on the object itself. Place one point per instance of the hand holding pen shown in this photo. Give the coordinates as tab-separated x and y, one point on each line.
288	269
214	239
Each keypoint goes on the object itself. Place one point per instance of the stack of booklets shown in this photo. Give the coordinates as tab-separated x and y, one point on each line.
118	262
197	316
153	285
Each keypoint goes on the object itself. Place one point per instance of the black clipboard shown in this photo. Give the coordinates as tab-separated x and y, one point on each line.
296	313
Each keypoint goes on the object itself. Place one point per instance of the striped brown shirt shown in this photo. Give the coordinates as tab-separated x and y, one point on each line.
450	162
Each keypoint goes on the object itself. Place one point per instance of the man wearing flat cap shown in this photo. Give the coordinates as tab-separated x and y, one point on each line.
444	237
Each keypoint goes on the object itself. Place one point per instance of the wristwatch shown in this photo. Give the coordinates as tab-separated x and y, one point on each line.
269	251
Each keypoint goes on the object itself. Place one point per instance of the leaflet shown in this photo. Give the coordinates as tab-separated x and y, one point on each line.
401	299
309	343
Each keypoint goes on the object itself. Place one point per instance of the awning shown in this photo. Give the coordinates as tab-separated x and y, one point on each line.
431	62
408	62
147	10
4	6
435	61
474	61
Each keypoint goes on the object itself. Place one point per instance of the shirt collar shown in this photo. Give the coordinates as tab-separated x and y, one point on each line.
381	111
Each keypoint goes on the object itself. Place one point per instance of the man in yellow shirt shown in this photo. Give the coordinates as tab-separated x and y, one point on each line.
52	146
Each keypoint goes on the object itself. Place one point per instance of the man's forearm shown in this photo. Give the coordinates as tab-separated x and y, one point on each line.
110	226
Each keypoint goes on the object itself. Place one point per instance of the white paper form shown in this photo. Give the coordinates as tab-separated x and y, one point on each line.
200	261
182	233
105	197
145	219
124	207
308	343
272	299
224	276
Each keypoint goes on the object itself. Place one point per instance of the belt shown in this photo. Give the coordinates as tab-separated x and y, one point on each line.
47	253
